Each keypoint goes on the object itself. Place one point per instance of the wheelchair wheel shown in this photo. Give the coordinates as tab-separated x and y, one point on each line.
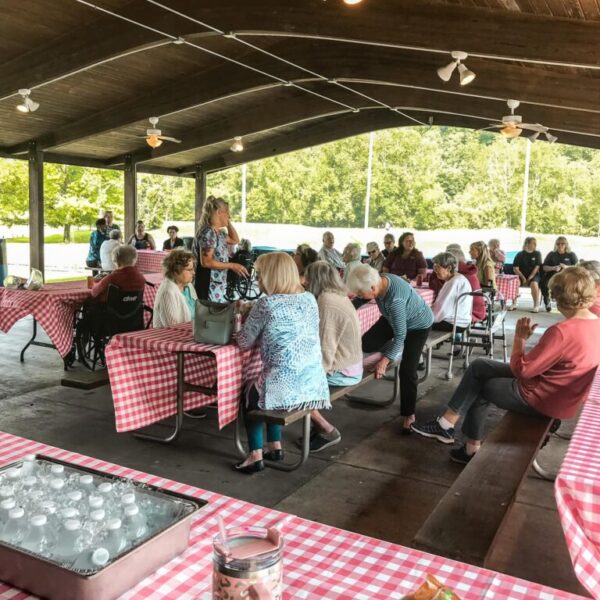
90	348
251	290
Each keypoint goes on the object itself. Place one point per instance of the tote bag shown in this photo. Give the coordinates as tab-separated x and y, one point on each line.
213	322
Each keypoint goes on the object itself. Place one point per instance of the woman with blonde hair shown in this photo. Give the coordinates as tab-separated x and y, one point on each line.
486	268
215	231
351	258
284	324
551	379
560	258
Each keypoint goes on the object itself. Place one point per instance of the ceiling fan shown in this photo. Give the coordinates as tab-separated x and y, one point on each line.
154	137
512	125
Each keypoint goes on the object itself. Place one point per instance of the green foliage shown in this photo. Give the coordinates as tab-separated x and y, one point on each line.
423	178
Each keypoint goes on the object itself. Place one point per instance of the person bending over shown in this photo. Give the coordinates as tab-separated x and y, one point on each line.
552	379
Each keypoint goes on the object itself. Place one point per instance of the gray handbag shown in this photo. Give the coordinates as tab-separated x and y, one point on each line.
213	322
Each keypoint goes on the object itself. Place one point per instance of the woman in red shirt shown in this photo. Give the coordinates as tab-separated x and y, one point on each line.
552	379
406	261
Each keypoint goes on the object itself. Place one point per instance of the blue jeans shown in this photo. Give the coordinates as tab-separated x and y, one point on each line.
254	429
486	382
338	379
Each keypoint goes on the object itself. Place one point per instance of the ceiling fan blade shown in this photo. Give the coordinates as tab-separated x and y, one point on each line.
488	128
166	138
534	127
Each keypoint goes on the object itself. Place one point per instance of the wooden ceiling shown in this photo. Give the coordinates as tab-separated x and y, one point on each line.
285	75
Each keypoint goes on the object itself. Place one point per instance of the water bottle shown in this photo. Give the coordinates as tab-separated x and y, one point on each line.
74	498
29	482
128	500
86	483
57	486
57	471
115	541
30	465
6	506
49	508
92	560
37	538
95	502
12	475
96	523
15	528
67	545
69	513
6	491
135	523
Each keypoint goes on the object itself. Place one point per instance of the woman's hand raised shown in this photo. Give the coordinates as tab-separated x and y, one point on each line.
525	328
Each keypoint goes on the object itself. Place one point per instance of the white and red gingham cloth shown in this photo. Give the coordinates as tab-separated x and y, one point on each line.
54	307
508	286
577	491
150	261
320	562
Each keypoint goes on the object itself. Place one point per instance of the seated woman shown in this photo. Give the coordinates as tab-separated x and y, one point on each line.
389	244
496	253
351	258
593	268
376	257
303	257
176	297
126	276
328	253
284	324
400	333
486	269
527	265
339	331
445	266
552	379
97	238
406	261
173	241
560	258
107	248
141	240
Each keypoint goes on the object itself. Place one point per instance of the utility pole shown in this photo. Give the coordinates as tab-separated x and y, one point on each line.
369	177
244	174
525	191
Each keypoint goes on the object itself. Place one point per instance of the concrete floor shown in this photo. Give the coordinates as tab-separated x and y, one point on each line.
374	482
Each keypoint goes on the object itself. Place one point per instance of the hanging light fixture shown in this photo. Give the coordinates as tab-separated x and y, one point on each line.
27	104
237	145
510	132
153	141
550	138
466	76
351	2
534	136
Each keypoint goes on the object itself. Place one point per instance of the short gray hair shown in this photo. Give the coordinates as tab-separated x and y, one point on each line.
124	256
362	279
389	237
353	250
593	266
372	246
457	252
115	234
446	260
322	277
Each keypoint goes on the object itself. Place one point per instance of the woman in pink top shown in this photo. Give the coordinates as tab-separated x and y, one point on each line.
552	379
593	266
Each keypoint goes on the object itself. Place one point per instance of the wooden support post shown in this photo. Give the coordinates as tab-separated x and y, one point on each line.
36	208
130	185
200	196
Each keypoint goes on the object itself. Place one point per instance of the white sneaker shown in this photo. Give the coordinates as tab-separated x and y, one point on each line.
536	309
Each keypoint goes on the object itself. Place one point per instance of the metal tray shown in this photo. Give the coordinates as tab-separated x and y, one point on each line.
49	579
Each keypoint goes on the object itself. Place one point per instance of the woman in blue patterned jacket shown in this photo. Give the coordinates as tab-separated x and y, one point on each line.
284	324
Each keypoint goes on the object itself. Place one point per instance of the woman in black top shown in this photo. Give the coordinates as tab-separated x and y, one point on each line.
173	241
141	240
527	265
560	258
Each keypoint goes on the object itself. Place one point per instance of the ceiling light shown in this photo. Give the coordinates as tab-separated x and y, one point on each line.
551	138
466	76
351	2
27	104
534	136
153	141
510	131
237	145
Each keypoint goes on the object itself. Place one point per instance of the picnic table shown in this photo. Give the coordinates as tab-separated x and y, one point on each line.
577	491
320	562
508	286
54	308
150	261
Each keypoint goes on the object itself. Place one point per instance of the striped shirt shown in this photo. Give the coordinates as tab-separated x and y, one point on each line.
405	311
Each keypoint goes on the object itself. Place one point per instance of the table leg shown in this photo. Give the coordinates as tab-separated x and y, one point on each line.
30	341
280	465
380	403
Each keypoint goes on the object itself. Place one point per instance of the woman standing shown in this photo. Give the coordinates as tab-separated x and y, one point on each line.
284	324
328	253
486	269
555	261
141	240
406	261
215	231
400	333
527	265
97	238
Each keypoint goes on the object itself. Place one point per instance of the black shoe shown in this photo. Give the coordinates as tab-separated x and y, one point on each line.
254	467
273	455
432	429
421	366
548	307
460	456
313	432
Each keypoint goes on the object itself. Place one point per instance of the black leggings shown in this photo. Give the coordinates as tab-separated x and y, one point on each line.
445	326
382	332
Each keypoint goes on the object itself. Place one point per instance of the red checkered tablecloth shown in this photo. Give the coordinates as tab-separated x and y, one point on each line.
508	286
320	562
577	491
150	261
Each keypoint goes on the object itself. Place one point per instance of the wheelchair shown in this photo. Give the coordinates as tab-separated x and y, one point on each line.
240	287
99	321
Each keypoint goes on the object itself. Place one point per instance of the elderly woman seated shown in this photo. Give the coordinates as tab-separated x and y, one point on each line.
376	257
284	324
593	268
351	258
552	379
400	333
451	307
126	276
176	297
339	331
303	257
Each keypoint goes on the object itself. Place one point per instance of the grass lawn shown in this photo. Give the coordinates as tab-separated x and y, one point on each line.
77	237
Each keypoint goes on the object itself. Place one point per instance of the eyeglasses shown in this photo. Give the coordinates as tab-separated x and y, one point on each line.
372	252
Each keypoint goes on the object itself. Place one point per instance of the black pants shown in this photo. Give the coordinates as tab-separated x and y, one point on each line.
546	277
445	326
382	332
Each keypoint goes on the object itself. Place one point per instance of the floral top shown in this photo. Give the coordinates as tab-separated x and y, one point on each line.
286	329
211	284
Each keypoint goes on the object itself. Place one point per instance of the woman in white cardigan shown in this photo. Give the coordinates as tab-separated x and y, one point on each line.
176	296
454	285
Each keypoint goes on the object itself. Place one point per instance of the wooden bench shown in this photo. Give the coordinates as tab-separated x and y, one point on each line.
467	521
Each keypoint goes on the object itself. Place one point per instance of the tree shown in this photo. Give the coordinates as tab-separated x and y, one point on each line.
14	195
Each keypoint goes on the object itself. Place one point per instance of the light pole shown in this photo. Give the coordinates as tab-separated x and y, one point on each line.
525	191
369	177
